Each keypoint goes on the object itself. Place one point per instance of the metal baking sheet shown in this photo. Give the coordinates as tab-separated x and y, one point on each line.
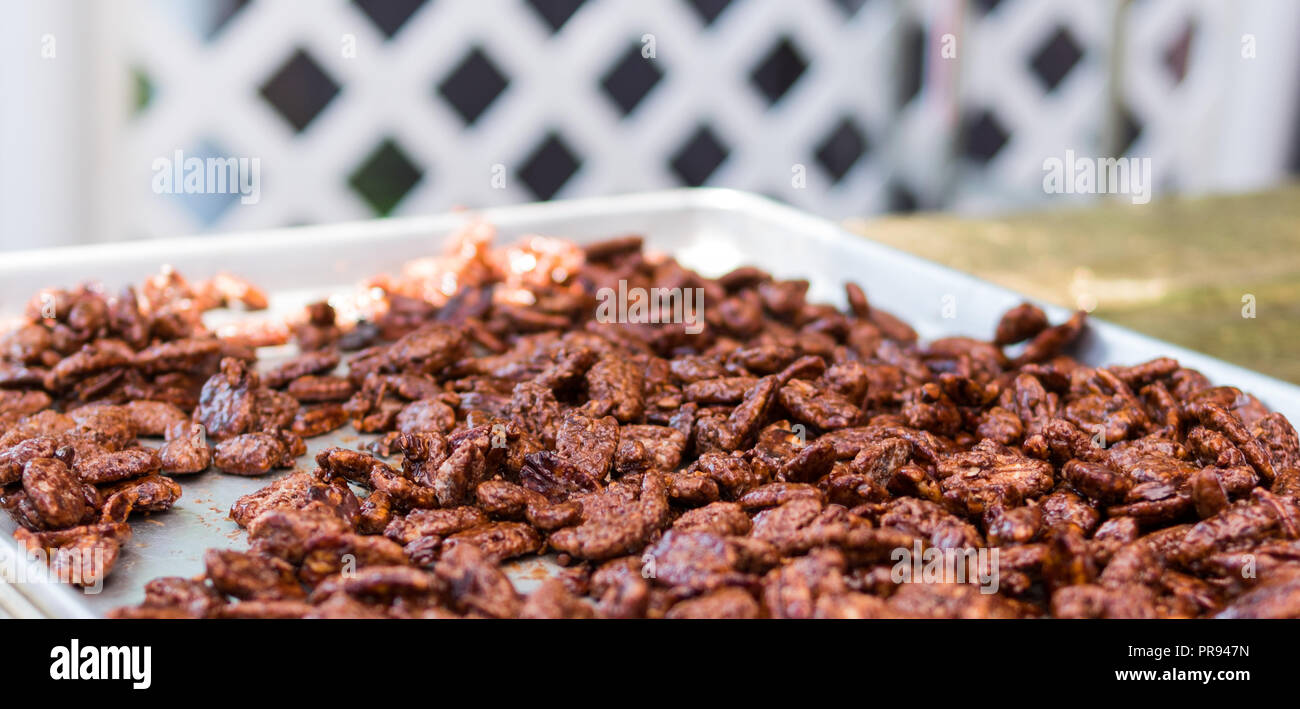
711	230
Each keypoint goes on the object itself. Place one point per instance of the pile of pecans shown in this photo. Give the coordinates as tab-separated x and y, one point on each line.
785	460
81	379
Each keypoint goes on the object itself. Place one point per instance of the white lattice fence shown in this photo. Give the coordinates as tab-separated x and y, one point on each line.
360	107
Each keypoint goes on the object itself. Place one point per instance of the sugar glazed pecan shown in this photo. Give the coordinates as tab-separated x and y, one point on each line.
769	458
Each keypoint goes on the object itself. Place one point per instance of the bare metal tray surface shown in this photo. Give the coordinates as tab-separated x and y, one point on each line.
709	230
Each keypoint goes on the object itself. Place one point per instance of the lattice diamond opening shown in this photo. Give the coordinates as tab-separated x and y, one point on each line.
699	157
1178	54
850	7
983	136
385	177
708	10
555	12
841	149
912	63
778	71
900	199
389	15
207	205
299	90
1055	58
473	85
1130	129
630	79
550	165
